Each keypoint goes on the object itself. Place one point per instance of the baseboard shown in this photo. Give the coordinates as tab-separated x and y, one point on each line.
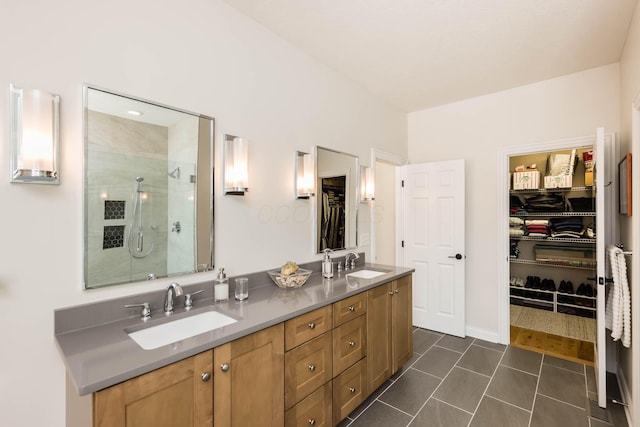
482	334
627	397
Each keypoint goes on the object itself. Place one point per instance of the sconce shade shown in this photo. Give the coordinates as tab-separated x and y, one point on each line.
366	184
236	170
35	135
305	177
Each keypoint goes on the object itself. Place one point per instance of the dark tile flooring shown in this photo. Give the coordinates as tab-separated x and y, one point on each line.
453	381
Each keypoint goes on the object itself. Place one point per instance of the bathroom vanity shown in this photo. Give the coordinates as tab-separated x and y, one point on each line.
306	356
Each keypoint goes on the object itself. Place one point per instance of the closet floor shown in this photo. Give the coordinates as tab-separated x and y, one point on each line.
558	334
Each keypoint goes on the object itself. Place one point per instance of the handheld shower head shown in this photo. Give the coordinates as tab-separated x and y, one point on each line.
139	180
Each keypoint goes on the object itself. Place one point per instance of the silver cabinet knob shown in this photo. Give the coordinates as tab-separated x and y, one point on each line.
352	343
390	292
352	308
312	325
206	376
312	422
312	368
396	291
224	367
352	389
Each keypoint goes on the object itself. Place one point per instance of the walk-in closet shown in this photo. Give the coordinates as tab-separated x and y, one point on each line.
552	259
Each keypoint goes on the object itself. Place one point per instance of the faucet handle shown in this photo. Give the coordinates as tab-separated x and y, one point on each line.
145	314
188	300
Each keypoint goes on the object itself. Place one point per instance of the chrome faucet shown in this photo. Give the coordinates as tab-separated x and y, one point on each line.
174	290
348	265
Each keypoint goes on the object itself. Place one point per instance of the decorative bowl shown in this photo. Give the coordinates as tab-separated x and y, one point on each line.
292	281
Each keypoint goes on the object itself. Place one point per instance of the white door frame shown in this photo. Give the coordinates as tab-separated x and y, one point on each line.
392	159
503	217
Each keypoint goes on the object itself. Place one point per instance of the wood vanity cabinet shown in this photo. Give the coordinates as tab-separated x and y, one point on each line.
389	330
248	380
176	395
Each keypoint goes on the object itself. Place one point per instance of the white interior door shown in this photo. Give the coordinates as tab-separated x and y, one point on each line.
606	234
433	235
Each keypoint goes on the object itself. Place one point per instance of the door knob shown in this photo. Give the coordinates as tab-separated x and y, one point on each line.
457	256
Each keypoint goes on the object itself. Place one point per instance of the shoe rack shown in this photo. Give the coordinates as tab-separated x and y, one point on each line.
527	266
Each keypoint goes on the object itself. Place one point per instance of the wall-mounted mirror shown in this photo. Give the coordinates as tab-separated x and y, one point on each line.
148	189
337	199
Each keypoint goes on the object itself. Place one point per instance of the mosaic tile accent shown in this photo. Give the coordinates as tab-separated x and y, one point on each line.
114	209
113	236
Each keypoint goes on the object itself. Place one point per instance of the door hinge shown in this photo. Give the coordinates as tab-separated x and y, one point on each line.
402	183
402	243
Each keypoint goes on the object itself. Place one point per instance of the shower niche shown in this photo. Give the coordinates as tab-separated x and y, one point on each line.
147	167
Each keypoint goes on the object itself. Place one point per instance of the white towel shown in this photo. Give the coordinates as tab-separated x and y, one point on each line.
618	310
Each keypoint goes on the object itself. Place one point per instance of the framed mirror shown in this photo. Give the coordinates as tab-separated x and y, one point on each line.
148	189
337	199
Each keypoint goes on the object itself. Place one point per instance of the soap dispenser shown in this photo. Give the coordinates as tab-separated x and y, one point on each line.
221	286
327	265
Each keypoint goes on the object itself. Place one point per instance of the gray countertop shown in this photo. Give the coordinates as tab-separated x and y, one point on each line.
99	354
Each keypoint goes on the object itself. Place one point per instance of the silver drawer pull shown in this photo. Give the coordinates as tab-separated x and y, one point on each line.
352	308
312	368
390	292
312	422
224	367
206	376
352	390
312	325
352	343
396	291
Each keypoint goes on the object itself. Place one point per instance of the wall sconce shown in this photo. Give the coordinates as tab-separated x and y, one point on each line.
35	136
236	170
305	176
366	184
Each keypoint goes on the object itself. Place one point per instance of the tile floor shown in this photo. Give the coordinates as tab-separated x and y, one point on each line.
452	381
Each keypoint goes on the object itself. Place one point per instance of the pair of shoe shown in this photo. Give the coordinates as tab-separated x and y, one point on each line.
533	282
516	281
548	285
566	287
585	289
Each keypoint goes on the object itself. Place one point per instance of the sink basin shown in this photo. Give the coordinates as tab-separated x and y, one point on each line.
180	329
366	274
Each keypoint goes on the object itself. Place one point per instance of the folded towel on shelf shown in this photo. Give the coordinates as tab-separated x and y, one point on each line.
618	307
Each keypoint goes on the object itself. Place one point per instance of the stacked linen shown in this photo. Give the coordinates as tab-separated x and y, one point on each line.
568	227
516	227
537	227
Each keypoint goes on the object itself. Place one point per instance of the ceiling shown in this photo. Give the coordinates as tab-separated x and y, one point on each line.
416	54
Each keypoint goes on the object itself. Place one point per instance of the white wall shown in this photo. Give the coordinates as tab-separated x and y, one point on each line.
629	89
476	129
199	55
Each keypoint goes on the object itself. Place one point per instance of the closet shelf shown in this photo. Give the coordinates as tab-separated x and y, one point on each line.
548	264
551	190
556	239
552	214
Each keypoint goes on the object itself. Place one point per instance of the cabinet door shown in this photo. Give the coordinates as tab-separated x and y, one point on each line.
379	335
307	367
349	308
249	380
177	395
315	410
401	321
349	390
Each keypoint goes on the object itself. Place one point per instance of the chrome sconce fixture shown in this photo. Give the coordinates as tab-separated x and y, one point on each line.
366	184
236	170
35	136
305	176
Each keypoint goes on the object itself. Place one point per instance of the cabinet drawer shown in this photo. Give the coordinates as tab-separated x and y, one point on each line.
349	344
314	410
349	309
307	326
307	367
349	390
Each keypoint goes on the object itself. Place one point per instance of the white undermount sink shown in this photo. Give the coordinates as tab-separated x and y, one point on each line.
180	329
366	274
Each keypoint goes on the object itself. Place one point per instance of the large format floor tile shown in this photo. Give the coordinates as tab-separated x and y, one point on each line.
515	387
481	360
492	413
423	340
552	413
563	385
410	391
439	414
381	415
462	389
523	360
437	361
455	343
